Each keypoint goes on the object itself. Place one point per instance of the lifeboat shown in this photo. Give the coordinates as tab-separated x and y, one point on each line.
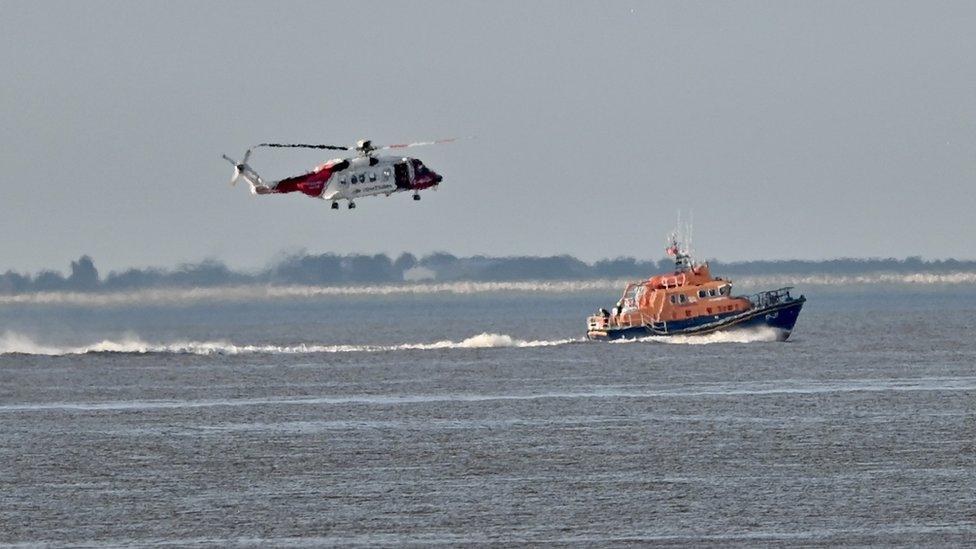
689	301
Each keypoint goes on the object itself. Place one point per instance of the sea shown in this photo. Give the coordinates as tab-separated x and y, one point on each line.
481	416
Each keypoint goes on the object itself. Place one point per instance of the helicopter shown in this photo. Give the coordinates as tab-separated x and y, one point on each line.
366	174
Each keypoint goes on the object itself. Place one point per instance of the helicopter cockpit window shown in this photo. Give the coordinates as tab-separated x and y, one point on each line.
418	167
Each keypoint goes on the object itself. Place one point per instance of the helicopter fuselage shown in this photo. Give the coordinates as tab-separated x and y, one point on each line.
352	178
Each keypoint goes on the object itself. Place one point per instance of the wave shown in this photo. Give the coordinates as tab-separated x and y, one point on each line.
247	293
921	278
752	335
14	343
692	390
258	292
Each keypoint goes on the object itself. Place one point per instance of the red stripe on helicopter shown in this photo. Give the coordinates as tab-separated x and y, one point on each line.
311	183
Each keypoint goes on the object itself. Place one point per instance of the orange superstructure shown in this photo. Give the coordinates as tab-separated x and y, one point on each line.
677	296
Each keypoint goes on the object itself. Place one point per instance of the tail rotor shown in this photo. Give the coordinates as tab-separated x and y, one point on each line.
240	168
243	171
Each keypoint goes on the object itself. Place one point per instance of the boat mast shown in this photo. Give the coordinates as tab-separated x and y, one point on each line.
679	247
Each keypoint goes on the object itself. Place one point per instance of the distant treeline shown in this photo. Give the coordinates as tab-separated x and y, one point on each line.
331	270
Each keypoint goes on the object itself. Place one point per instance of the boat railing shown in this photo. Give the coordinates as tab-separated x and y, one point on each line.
674	281
630	320
771	297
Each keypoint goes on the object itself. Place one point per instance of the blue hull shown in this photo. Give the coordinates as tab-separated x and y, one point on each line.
781	316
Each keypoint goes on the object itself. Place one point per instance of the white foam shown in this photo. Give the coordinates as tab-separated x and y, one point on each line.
920	278
11	342
17	343
258	292
750	335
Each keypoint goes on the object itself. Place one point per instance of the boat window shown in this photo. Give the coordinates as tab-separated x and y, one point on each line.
711	292
674	298
362	178
682	297
724	290
386	174
702	293
372	176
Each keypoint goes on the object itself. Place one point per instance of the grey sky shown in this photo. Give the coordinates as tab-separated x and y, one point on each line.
791	129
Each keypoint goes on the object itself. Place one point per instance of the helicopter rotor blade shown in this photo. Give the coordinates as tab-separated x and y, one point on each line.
303	146
418	144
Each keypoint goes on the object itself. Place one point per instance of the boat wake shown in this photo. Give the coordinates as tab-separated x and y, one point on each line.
753	335
14	343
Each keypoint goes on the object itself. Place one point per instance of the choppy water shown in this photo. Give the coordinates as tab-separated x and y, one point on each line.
477	418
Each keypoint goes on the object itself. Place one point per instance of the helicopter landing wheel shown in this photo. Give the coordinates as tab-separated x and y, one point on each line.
416	197
352	205
335	205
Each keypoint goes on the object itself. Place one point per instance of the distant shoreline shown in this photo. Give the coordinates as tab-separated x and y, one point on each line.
178	296
407	271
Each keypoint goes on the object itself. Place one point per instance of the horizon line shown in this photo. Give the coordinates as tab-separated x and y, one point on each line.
280	259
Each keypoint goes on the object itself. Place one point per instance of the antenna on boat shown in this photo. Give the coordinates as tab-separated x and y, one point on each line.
679	246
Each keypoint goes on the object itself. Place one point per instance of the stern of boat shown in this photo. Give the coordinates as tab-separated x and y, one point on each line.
627	326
